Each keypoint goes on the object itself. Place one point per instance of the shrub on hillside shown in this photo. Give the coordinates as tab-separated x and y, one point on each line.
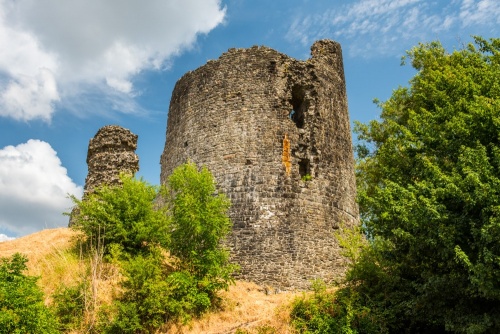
340	311
124	215
154	294
22	309
172	257
69	305
199	222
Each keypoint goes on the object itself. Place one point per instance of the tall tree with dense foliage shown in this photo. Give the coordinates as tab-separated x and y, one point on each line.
429	194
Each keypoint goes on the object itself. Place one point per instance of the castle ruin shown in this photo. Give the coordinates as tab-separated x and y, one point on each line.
110	152
275	133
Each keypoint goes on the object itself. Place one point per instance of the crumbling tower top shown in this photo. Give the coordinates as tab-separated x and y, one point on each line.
111	152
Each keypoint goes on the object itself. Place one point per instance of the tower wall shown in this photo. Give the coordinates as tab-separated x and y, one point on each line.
275	133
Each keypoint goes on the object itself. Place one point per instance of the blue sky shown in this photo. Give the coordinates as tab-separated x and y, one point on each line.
68	68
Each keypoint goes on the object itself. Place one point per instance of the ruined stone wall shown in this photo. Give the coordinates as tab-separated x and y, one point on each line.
110	152
264	123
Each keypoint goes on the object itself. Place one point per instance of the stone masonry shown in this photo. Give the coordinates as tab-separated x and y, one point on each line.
275	133
110	152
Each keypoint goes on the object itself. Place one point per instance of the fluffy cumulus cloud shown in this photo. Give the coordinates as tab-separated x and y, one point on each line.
382	26
34	188
53	51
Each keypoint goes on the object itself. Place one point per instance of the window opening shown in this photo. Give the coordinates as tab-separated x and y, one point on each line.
299	106
304	168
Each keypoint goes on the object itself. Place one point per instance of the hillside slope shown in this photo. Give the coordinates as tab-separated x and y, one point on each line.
51	255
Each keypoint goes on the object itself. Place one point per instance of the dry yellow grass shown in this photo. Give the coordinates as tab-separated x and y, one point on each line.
52	256
38	245
246	307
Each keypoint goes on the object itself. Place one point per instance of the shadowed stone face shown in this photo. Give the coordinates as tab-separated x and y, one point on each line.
275	133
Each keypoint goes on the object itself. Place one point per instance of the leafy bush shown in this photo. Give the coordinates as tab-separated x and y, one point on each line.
69	306
199	222
138	234
154	293
334	312
21	301
124	215
143	305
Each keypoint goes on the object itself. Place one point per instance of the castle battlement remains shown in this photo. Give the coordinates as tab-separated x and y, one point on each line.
275	133
110	153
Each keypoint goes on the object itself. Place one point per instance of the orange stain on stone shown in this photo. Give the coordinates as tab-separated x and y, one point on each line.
286	157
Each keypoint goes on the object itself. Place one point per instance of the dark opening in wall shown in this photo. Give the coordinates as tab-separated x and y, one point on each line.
299	106
304	167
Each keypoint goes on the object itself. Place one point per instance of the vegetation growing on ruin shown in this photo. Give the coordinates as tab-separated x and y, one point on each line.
428	176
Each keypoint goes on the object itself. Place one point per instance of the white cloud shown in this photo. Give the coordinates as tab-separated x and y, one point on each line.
28	97
53	50
479	12
374	27
33	188
4	237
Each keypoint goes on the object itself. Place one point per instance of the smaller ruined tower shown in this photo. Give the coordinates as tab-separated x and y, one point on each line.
111	152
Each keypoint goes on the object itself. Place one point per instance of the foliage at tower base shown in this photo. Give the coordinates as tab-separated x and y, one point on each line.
171	257
429	194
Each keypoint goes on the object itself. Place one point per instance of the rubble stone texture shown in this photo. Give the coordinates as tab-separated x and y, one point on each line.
275	133
110	152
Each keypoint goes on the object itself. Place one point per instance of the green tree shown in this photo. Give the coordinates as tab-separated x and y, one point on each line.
429	194
172	256
22	309
199	225
125	215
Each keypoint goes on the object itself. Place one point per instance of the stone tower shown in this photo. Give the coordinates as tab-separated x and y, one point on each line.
275	133
110	152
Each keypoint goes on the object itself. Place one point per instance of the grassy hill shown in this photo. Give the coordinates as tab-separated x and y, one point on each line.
54	256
